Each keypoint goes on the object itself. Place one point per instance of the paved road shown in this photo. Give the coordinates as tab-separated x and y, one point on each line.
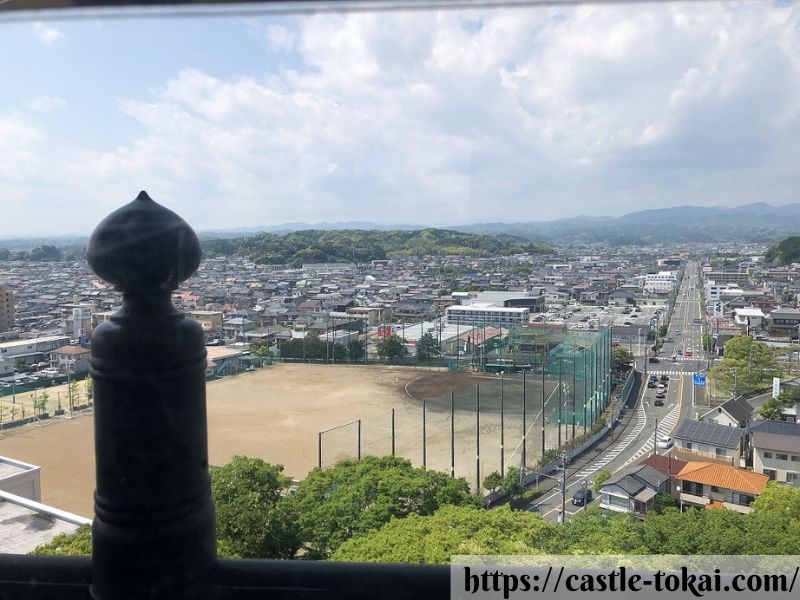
635	436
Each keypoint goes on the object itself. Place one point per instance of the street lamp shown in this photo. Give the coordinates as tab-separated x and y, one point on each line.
678	489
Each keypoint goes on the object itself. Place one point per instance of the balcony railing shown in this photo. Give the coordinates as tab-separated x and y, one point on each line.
153	535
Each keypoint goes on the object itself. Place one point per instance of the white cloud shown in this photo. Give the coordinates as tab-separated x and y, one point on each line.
48	35
475	115
281	39
47	103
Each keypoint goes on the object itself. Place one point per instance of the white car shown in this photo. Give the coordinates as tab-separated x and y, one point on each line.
664	442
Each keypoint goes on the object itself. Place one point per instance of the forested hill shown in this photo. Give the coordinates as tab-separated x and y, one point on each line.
346	245
784	252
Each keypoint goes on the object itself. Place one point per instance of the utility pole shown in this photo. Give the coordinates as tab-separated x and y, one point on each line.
560	366
478	438
502	430
524	425
563	483
452	434
543	406
424	432
655	436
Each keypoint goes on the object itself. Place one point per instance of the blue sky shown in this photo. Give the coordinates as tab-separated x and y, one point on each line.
432	118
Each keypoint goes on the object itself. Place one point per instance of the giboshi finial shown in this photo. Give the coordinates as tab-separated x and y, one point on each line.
144	246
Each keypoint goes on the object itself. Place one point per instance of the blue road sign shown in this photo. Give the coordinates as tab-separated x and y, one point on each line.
699	379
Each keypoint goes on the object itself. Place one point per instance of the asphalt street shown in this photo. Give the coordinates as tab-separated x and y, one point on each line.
634	438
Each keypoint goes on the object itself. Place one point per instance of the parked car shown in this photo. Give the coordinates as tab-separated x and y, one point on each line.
582	497
664	441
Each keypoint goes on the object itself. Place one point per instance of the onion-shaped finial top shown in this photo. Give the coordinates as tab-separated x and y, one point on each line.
143	246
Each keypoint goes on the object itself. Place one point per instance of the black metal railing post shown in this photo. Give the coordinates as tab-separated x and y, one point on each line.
153	535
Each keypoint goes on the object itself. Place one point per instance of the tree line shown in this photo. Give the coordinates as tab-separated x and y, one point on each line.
382	509
319	246
389	348
45	253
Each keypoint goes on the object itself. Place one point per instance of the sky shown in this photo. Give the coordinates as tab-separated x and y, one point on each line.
432	118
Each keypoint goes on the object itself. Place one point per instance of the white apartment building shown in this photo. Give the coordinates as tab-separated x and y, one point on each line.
722	291
33	350
663	282
487	314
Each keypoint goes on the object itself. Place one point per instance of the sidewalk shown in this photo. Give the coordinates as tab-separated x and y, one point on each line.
548	484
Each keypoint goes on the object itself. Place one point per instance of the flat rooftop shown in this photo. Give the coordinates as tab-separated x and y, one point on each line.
25	525
30	342
9	469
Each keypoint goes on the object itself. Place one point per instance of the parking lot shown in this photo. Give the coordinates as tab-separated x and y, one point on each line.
594	317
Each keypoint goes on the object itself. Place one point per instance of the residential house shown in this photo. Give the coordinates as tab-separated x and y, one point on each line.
633	490
775	447
210	321
736	412
749	319
784	319
71	359
710	442
665	464
704	484
621	297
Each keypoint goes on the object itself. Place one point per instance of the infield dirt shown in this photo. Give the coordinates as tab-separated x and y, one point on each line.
277	413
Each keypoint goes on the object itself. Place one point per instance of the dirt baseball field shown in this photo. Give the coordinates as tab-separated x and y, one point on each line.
277	413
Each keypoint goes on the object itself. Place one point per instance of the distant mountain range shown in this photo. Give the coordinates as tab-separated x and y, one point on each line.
757	222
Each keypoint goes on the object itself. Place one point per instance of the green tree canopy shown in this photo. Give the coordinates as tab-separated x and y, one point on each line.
451	530
427	347
779	499
746	364
621	358
332	505
260	348
391	347
349	245
246	492
784	252
600	479
78	543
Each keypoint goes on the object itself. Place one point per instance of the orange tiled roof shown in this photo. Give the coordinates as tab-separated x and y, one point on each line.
723	476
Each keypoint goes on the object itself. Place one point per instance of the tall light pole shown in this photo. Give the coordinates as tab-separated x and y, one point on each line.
502	430
563	483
